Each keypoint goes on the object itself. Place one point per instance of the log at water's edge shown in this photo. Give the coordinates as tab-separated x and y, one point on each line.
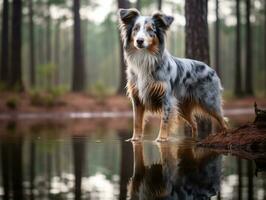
250	137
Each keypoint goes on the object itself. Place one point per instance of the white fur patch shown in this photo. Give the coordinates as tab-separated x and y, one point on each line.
141	34
141	62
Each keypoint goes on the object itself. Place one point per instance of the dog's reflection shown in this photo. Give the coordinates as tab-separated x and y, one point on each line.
184	172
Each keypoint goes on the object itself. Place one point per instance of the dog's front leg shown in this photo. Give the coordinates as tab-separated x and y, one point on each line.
138	112
167	111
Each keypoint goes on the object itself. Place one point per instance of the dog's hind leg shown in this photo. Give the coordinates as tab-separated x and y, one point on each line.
220	119
190	120
216	113
210	101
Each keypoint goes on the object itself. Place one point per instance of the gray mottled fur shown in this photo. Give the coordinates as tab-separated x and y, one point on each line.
184	78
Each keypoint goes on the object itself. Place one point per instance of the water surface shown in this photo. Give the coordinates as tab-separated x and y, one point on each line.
89	159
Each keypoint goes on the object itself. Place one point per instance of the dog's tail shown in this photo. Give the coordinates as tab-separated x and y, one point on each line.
220	86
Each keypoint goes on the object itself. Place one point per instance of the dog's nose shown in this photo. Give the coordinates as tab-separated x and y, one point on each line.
140	41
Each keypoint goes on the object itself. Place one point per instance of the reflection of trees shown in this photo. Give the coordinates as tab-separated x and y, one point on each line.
32	167
192	173
264	186
250	179
49	172
125	163
79	160
240	181
17	177
5	162
11	154
28	164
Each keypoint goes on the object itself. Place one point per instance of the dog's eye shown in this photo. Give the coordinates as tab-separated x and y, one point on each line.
136	28
149	29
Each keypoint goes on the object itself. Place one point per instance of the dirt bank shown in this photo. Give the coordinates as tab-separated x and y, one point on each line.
247	138
74	102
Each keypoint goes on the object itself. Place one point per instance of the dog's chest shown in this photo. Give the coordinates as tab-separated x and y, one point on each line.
150	93
142	82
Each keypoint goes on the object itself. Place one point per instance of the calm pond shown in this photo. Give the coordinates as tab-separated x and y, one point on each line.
90	159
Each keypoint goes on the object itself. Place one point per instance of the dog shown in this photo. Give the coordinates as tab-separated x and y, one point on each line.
161	83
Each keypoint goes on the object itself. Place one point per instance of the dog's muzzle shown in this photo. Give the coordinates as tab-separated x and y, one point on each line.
140	43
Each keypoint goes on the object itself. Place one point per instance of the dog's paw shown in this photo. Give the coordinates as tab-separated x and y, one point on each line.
160	139
134	139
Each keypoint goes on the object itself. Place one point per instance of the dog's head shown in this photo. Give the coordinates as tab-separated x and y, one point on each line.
143	32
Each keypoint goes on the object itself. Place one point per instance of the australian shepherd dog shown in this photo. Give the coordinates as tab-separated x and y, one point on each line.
161	83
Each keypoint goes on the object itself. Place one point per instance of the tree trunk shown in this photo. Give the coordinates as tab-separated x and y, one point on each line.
197	41
16	71
40	39
197	35
238	74
138	5
48	33
32	41
159	4
249	66
57	52
265	46
217	40
78	60
121	90
4	54
41	54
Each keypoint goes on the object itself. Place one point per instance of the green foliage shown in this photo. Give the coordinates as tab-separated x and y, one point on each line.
147	3
42	99
17	87
47	69
3	86
45	72
100	91
47	98
57	2
58	91
12	103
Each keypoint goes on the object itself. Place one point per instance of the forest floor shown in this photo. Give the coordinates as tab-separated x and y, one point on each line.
81	102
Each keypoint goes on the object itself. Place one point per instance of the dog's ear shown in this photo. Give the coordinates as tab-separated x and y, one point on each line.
161	20
126	16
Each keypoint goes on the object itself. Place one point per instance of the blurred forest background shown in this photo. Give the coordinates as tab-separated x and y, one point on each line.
53	51
73	45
